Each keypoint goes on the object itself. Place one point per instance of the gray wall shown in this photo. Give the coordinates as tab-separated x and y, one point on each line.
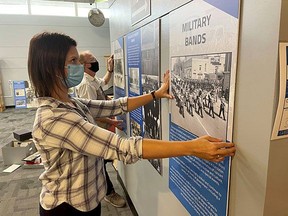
259	172
256	87
17	30
277	189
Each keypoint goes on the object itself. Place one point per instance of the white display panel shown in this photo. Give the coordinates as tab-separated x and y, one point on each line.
203	57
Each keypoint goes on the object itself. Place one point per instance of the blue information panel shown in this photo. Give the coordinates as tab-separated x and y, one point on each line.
201	186
19	94
143	63
133	49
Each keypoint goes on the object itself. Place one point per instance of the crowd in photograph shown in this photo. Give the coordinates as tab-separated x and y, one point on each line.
200	96
151	110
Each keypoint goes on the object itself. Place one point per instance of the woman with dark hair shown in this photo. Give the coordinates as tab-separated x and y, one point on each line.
73	147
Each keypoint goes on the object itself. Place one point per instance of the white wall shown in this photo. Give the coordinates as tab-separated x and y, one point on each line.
17	30
259	170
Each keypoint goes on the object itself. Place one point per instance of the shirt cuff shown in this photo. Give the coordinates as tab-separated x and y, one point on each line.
124	103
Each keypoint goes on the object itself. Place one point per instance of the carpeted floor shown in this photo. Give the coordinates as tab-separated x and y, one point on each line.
19	190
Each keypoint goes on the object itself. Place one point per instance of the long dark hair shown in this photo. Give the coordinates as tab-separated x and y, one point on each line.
46	61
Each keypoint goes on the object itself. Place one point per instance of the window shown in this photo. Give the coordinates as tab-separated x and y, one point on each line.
83	9
13	7
54	8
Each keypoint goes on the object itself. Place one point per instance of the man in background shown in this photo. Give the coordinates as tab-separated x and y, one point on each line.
91	88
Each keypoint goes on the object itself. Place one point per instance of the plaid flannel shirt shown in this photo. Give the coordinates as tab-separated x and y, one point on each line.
72	149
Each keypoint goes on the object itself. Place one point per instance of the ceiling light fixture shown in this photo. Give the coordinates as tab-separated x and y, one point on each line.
96	16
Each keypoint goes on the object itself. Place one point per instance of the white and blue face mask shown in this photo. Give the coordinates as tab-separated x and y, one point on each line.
75	75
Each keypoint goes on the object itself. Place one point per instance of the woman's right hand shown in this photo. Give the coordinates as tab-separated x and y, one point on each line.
211	149
117	123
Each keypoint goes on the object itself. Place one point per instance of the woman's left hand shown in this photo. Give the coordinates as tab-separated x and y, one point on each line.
163	91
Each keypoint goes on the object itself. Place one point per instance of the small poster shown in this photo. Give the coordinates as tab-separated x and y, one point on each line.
150	49
119	76
134	69
143	77
140	10
20	94
280	129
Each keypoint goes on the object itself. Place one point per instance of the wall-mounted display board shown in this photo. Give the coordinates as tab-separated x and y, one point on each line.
280	129
119	75
140	10
20	93
142	46
150	35
133	50
24	95
203	55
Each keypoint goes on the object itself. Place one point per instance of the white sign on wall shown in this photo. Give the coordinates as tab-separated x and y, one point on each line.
140	10
280	129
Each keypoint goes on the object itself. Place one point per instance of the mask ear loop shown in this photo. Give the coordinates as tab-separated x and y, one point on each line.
61	79
85	65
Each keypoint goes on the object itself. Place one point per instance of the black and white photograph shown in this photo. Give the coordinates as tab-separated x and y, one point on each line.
20	92
31	99
157	164
20	103
151	111
135	128
150	78
119	78
150	82
134	82
200	85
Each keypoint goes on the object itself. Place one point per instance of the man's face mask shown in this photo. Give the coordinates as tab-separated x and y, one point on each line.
94	66
75	75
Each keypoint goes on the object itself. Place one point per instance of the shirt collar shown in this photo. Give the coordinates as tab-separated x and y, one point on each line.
90	78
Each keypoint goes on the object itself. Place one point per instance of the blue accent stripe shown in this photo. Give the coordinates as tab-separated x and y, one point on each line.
229	6
120	41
